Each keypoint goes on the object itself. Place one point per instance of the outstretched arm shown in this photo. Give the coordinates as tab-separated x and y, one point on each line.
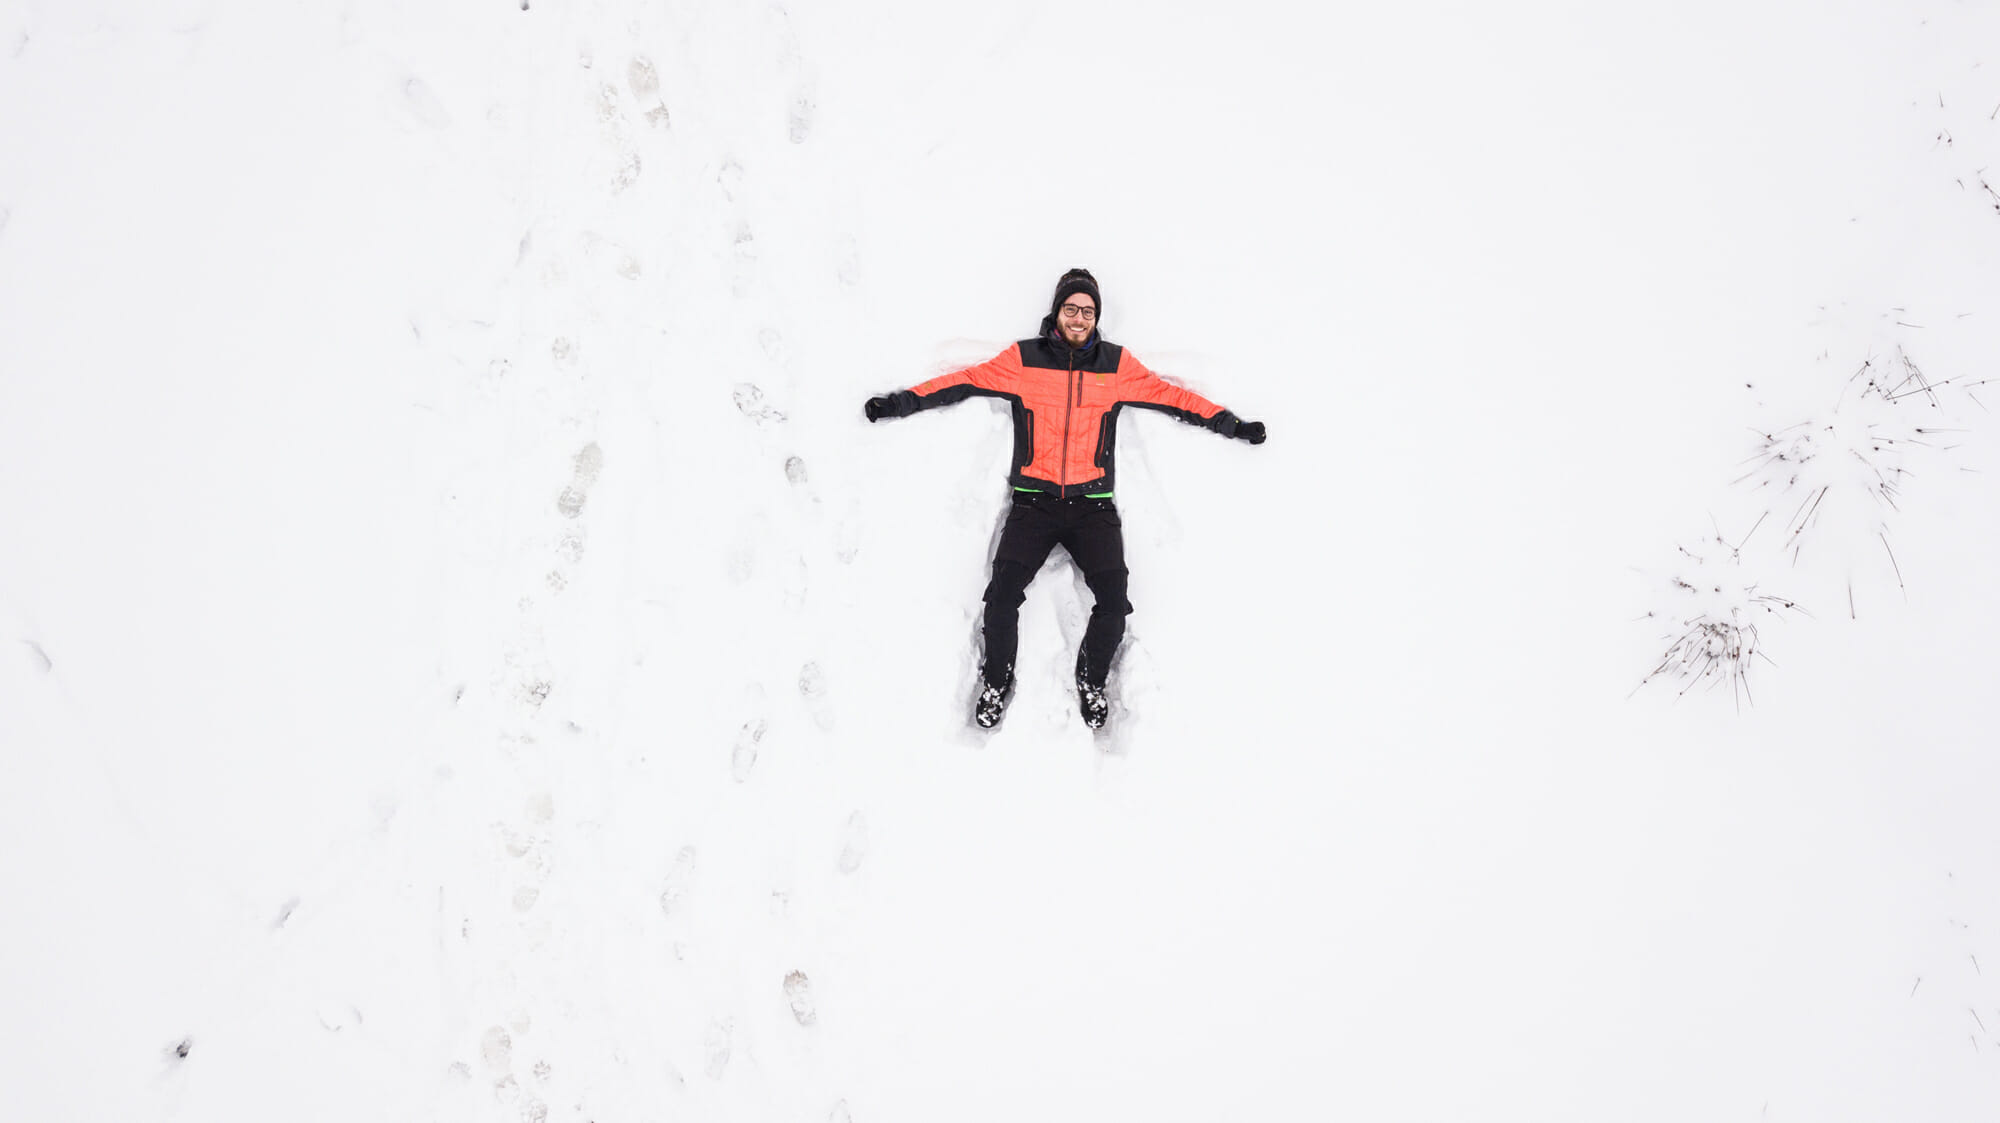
998	376
1142	387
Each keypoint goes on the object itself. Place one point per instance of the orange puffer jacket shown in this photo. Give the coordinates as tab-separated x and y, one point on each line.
1065	404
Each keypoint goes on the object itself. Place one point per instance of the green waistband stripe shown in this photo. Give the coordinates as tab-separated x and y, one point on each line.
1039	491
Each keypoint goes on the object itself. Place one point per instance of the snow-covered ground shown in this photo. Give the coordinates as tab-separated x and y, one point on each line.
465	656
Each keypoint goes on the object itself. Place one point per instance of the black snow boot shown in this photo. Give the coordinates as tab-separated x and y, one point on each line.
992	701
1091	700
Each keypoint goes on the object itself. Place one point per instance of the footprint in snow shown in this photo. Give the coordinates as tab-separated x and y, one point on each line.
599	249
716	1047
644	80
742	564
627	174
563	352
496	1050
679	881
743	755
798	992
795	470
812	687
535	692
583	476
541	807
730	178
642	77
853	843
744	260
515	842
801	118
847	539
423	104
609	111
750	402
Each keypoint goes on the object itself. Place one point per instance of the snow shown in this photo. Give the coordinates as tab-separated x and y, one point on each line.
465	656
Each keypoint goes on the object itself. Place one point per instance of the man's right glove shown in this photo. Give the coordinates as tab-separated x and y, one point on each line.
880	407
1252	431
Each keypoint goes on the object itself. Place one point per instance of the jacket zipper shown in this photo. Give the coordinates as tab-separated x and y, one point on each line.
1067	410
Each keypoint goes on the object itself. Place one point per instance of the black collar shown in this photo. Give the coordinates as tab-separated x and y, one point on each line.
1055	337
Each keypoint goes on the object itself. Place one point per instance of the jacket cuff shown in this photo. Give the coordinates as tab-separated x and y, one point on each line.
1225	423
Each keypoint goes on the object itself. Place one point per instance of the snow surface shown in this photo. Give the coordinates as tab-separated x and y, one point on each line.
466	657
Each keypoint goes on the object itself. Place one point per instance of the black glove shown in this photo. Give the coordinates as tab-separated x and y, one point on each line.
880	407
1252	431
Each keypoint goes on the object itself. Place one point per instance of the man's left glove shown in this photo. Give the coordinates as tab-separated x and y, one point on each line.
880	407
1252	431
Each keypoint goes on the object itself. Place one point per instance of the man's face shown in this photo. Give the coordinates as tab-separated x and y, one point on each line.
1076	318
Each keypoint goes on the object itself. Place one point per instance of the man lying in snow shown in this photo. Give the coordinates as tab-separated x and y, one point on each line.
1066	387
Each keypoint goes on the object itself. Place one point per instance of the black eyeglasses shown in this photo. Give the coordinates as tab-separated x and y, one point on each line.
1079	311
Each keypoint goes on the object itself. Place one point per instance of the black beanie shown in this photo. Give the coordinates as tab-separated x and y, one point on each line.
1073	282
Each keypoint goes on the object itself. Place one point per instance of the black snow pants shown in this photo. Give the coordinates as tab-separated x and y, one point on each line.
1089	529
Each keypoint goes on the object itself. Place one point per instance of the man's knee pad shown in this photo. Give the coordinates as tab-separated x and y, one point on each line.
1009	586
